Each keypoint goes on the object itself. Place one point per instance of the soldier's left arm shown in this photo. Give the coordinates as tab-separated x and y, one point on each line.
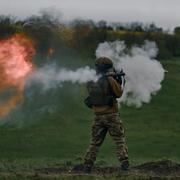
116	87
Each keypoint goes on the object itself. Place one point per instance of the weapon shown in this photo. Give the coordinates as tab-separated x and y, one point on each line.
118	75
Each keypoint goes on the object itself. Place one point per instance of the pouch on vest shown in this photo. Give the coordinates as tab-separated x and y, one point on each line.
88	102
100	93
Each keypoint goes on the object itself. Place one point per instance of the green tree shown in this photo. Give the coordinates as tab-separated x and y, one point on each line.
177	30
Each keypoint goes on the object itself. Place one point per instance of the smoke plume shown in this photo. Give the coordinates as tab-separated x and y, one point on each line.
144	73
50	76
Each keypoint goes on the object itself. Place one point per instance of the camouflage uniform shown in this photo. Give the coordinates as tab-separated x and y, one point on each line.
102	124
106	115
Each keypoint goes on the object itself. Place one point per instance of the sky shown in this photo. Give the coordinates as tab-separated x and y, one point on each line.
164	13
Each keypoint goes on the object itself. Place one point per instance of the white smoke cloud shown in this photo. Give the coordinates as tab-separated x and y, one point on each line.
50	76
144	73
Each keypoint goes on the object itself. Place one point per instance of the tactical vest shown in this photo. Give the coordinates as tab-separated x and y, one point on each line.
100	93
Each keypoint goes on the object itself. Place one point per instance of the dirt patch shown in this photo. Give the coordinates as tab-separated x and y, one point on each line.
53	170
160	168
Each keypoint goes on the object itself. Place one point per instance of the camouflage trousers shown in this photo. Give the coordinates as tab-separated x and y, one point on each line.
102	124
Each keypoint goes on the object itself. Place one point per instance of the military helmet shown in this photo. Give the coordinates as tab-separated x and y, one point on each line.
103	64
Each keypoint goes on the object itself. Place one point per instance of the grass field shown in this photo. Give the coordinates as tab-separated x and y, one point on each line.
61	138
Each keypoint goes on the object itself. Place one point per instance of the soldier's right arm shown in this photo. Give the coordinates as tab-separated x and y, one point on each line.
115	86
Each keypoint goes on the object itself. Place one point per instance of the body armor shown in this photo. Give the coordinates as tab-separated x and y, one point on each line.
100	93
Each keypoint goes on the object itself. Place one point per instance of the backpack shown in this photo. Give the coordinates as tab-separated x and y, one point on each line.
100	93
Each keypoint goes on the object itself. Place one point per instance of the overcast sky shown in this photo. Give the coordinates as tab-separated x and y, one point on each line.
165	13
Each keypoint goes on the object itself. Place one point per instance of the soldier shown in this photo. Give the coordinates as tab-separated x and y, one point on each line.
102	100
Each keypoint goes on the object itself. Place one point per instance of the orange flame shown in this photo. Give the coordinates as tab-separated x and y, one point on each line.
16	54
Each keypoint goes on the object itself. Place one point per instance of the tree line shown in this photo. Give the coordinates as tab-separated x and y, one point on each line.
50	35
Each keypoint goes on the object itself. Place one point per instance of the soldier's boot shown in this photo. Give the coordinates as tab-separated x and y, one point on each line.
88	167
82	168
125	165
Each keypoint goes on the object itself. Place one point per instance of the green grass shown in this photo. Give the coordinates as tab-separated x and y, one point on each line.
61	138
